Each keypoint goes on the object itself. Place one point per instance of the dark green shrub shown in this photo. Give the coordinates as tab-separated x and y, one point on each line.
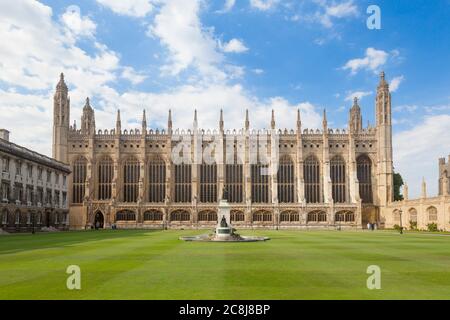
432	227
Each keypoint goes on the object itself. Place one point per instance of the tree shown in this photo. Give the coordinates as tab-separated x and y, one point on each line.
398	183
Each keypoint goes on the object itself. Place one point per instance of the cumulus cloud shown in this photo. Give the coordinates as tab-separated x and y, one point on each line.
178	27
372	61
431	141
333	10
76	24
263	5
358	94
395	83
229	4
133	8
133	76
234	45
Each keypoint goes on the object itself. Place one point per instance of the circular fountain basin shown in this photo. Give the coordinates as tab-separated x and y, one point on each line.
223	238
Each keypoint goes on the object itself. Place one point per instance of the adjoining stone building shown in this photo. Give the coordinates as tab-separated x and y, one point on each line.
307	178
425	210
33	189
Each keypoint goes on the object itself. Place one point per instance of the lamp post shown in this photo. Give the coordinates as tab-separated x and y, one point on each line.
401	225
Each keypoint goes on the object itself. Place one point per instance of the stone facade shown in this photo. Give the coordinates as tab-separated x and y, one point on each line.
33	190
420	213
307	178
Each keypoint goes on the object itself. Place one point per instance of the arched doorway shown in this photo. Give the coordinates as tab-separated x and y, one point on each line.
99	220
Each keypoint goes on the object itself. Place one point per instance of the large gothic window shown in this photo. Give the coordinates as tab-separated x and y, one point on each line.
208	183
311	174
156	180
234	182
260	182
338	178
79	179
131	174
183	179
285	180
105	178
364	173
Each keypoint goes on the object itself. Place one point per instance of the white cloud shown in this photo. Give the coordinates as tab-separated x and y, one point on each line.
341	10
405	108
180	30
395	83
358	94
229	4
372	61
258	71
431	141
131	75
234	45
263	4
134	8
437	108
76	24
330	10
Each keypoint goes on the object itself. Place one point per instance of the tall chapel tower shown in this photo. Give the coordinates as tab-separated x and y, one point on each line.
61	118
384	136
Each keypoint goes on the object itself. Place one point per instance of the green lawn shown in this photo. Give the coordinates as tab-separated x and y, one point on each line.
292	265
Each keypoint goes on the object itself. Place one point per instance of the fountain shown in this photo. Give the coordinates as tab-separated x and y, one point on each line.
224	231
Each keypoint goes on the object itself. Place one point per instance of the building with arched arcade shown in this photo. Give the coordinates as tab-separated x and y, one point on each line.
274	178
426	210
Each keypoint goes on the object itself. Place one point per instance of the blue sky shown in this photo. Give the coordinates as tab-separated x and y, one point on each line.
255	54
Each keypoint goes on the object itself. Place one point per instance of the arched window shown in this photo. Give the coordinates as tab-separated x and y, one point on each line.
79	180
432	214
180	215
311	174
396	215
260	182
236	216
289	216
156	180
153	215
131	174
344	216
208	183
125	215
338	178
105	178
364	173
412	215
262	216
317	216
285	180
183	180
207	216
234	181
